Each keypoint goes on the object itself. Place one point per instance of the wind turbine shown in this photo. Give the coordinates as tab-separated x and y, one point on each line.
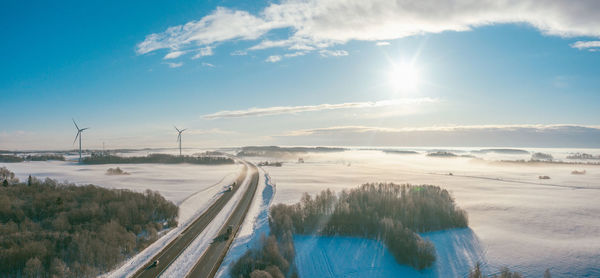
179	137
79	131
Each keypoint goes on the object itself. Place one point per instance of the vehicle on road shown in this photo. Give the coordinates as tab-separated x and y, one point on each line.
224	236
153	264
228	232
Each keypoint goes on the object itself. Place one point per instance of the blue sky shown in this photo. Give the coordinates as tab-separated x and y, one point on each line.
132	70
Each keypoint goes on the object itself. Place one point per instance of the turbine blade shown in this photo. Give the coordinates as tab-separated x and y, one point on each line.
176	128
77	135
84	129
75	124
183	129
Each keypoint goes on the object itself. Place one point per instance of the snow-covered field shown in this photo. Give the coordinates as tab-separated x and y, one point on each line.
192	187
188	258
255	224
516	219
456	250
175	182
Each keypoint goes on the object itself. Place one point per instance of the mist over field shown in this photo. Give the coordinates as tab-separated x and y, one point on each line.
515	219
300	138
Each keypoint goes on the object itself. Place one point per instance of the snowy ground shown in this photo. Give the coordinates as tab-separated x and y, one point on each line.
192	187
175	182
255	224
516	219
456	250
188	258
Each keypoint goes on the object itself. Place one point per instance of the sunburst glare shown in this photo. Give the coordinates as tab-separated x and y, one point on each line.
404	77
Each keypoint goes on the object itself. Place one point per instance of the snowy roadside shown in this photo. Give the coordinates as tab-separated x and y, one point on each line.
187	259
189	209
255	224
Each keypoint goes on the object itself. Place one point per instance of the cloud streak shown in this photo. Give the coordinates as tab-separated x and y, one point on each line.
273	59
589	45
558	135
174	65
277	110
315	24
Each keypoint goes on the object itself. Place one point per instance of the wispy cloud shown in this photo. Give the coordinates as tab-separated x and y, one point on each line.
173	55
448	128
334	53
270	44
317	25
558	135
204	51
175	65
276	110
273	59
589	45
239	53
295	54
208	65
382	43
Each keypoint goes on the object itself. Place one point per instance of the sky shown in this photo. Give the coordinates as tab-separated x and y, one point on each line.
299	72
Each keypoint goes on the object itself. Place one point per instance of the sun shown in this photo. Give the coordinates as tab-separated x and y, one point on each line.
403	77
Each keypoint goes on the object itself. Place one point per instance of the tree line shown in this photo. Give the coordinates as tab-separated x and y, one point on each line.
157	158
38	157
388	212
505	272
52	229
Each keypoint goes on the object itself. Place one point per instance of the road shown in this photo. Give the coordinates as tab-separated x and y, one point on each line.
170	252
208	264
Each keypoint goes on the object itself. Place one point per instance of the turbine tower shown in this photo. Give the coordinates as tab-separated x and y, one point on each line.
79	131
179	137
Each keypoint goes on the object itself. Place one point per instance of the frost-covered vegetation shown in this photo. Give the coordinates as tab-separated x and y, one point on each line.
388	212
51	229
399	152
583	156
157	158
10	158
541	157
442	154
276	151
38	157
116	171
270	163
476	272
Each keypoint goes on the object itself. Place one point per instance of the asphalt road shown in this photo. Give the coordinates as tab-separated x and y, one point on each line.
208	264
170	252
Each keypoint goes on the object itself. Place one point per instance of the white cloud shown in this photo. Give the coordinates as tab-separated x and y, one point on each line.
273	59
175	65
204	51
270	44
320	24
239	53
448	128
173	55
589	45
208	65
221	25
295	54
276	110
467	136
334	53
382	43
